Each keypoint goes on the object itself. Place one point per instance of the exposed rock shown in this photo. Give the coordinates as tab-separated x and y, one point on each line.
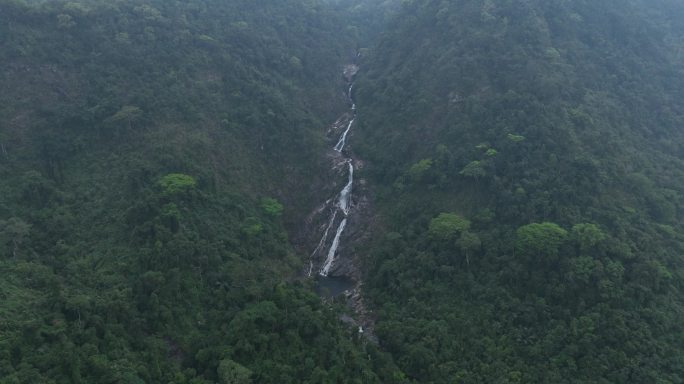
350	70
322	223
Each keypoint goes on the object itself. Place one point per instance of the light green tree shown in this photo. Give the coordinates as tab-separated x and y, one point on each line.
587	235
175	184
418	170
515	138
230	372
473	169
446	226
272	207
540	239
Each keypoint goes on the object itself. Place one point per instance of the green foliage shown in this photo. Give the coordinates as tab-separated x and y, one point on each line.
108	278
469	242
230	372
583	268
271	207
419	170
515	138
252	227
127	113
447	226
13	233
540	239
135	137
474	169
587	235
586	125
176	184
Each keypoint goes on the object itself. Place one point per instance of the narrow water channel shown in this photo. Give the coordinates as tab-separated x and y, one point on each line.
339	211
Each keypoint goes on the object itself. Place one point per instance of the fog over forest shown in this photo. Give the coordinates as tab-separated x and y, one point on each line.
341	191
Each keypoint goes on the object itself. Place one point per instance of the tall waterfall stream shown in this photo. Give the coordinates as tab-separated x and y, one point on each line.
339	208
334	275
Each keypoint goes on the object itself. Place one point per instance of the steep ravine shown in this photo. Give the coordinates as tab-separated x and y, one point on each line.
338	223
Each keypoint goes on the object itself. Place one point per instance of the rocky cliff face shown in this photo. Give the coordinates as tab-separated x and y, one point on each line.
337	229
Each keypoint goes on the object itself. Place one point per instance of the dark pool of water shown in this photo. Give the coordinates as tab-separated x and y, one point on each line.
332	286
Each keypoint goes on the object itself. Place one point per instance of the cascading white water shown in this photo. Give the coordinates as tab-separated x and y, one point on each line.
333	249
343	200
321	243
343	139
344	204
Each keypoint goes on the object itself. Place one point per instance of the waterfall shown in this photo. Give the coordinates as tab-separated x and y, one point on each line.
333	249
343	139
344	202
344	199
322	242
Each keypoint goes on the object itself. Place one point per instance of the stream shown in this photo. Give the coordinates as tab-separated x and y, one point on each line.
339	210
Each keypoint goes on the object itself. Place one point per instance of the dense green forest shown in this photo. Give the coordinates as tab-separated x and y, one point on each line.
527	161
523	160
152	154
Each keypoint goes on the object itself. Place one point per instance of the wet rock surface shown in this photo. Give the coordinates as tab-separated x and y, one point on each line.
338	227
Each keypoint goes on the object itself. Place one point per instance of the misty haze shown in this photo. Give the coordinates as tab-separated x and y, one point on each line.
341	191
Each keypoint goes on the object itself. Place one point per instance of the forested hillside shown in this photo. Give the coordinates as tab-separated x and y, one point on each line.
519	164
527	161
364	20
150	154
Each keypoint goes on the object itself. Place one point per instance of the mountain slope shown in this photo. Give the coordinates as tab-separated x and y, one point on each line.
151	155
527	160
